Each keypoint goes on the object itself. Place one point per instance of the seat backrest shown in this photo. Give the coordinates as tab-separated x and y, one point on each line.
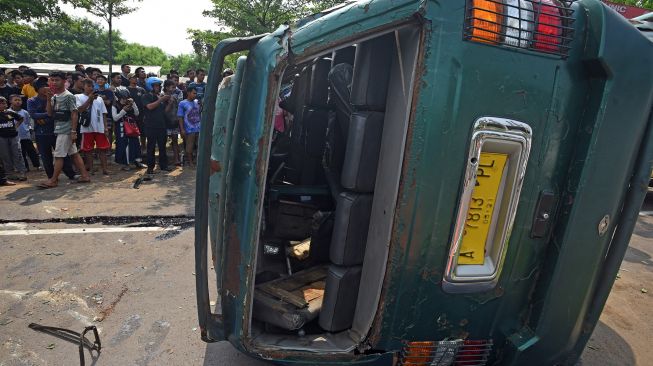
372	73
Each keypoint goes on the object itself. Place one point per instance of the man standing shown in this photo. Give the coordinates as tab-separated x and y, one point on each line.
10	152
189	123
190	74
155	124
44	128
63	108
199	85
77	86
6	90
136	92
140	74
93	119
25	132
106	93
124	76
28	77
115	80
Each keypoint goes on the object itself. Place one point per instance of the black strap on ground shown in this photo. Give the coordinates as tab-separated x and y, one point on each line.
74	337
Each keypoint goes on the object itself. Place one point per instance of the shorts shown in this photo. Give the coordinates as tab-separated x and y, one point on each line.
92	140
172	131
64	146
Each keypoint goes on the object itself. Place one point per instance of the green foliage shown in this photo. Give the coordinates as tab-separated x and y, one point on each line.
238	18
62	41
182	63
135	53
28	10
648	4
106	9
246	18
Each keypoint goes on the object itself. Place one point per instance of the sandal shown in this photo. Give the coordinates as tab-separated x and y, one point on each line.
82	180
46	185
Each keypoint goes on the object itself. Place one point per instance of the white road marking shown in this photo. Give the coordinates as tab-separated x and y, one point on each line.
88	230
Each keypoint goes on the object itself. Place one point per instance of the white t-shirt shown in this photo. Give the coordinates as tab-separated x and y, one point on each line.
98	109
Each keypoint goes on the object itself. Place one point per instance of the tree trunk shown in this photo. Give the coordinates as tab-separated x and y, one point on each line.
110	39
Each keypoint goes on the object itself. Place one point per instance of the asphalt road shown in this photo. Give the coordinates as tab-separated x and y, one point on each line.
134	279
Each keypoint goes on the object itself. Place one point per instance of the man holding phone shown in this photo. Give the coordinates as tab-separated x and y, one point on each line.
93	122
63	109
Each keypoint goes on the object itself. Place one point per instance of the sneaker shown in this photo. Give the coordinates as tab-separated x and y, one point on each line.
140	165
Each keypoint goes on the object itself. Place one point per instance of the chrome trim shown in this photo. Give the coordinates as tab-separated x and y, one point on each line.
498	132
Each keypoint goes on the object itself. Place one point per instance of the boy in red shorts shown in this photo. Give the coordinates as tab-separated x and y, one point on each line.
93	122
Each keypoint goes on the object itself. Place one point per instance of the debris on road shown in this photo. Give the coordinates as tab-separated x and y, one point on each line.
644	291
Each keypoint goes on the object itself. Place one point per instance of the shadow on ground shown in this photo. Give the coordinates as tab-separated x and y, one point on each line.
223	353
607	348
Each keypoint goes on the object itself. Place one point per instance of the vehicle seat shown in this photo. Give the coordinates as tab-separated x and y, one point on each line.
354	205
310	121
291	302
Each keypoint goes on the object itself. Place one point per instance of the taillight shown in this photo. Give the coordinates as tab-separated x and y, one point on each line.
548	34
540	25
519	22
486	21
446	353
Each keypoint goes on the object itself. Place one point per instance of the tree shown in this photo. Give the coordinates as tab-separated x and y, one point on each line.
247	18
107	10
648	4
137	54
28	10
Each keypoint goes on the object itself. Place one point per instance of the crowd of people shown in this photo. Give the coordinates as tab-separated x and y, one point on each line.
78	117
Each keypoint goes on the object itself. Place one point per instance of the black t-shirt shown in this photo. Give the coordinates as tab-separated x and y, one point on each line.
137	95
154	118
8	122
7	91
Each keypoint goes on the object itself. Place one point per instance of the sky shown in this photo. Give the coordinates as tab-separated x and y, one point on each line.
171	37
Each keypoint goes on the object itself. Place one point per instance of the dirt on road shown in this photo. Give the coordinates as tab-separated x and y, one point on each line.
65	263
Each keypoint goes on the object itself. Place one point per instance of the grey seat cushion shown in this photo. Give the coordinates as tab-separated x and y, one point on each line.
350	228
340	295
362	153
372	73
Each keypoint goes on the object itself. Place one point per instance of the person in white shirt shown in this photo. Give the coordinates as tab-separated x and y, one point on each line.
93	122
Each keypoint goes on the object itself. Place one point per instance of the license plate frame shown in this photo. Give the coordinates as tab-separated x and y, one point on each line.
489	135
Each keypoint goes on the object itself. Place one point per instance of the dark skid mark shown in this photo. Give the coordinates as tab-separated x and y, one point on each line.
184	222
153	341
112	220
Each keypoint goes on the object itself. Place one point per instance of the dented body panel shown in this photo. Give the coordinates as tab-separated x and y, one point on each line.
590	115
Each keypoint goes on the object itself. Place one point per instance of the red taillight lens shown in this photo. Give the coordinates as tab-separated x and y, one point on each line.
548	33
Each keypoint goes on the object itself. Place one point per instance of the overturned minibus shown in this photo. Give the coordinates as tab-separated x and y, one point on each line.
422	182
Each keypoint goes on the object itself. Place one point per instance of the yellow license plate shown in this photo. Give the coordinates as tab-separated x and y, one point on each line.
481	207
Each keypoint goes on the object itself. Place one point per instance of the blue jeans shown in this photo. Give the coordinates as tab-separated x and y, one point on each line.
45	144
